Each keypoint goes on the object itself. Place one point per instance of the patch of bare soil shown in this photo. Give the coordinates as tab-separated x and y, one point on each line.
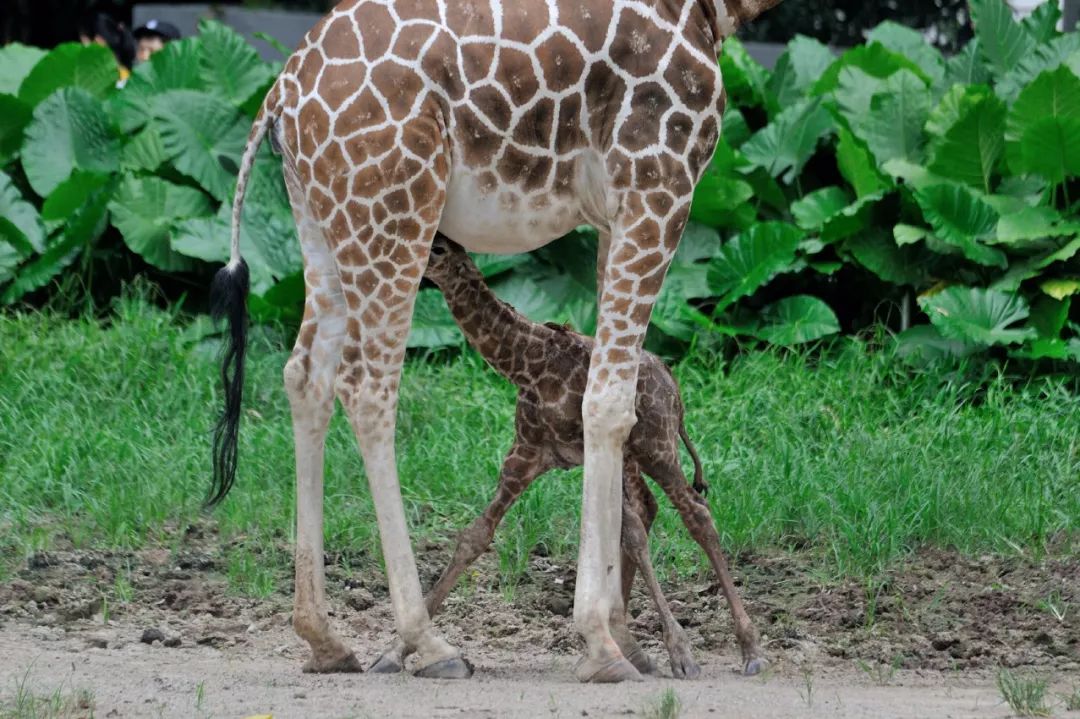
926	642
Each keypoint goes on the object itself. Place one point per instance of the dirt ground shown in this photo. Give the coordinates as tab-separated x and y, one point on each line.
927	643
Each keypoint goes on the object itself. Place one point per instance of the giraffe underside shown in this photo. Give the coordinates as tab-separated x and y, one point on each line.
547	110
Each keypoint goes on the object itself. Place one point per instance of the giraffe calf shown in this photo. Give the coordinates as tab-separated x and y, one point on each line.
549	364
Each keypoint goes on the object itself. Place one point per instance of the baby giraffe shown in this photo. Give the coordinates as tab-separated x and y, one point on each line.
549	364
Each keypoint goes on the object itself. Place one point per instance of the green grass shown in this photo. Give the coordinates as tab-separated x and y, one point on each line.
105	440
1025	695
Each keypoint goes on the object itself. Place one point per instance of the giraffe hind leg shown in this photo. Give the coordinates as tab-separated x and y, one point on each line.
381	229
309	383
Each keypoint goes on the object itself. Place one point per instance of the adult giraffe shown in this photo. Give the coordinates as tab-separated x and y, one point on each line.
503	124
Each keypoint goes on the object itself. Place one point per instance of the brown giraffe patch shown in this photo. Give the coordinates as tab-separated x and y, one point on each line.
561	62
410	41
407	87
523	22
691	79
587	21
340	42
441	67
535	126
604	93
477	58
338	82
363	112
478	142
570	135
639	46
653	101
470	17
376	31
416	9
313	123
516	166
515	74
491	103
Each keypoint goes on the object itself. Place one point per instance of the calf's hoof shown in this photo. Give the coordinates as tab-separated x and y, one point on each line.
683	665
641	661
388	663
452	668
755	666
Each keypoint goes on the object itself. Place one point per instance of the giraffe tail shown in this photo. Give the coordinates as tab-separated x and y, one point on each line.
699	474
228	302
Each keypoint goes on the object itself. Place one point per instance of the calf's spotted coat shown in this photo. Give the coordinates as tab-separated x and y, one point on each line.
502	123
549	365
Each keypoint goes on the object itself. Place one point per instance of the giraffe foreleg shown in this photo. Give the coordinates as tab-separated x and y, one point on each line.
635	540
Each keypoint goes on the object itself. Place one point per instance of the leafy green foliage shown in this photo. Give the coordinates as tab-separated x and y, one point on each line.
841	186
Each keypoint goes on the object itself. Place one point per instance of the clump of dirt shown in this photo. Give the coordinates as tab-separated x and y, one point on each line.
940	610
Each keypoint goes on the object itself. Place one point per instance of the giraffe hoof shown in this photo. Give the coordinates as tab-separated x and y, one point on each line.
755	666
683	665
453	668
388	663
641	661
346	663
610	672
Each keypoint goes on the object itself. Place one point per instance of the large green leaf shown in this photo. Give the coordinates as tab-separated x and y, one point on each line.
14	117
893	127
1042	133
815	209
69	196
144	210
874	59
797	69
21	214
744	77
879	253
912	45
1002	41
145	151
1048	315
491	265
718	200
432	324
1042	23
229	66
1063	250
750	259
961	220
971	146
857	165
70	131
924	343
82	229
786	143
1046	56
90	67
796	320
175	67
986	317
16	62
203	137
1030	227
967	67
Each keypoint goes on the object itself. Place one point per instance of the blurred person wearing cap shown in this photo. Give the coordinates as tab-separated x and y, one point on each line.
152	37
98	28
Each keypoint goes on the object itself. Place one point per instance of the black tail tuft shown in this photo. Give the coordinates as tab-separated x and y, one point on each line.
228	301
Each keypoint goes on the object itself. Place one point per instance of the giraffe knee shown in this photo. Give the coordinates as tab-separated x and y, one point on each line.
610	413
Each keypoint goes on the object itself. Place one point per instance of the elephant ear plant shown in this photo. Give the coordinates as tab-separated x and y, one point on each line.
885	176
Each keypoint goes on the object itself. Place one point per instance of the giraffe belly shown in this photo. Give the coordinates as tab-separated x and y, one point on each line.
504	220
